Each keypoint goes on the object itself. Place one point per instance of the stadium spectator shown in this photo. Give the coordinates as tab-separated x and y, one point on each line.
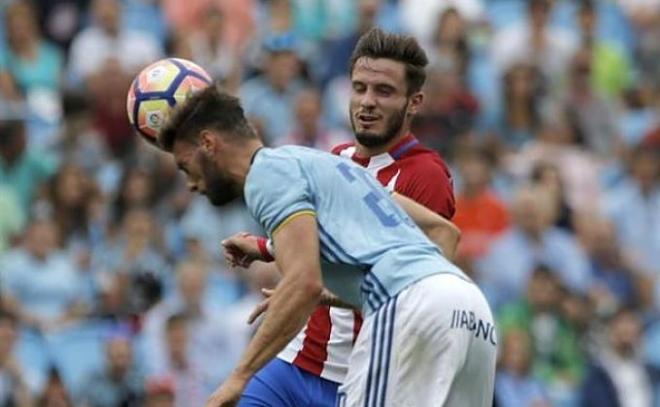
79	141
239	18
22	169
309	129
120	383
160	392
592	116
556	142
534	240
135	256
547	176
212	329
55	393
634	208
611	73
638	115
103	58
480	214
534	41
12	218
618	375
191	384
41	283
616	281
557	359
105	41
449	110
13	388
268	98
136	190
419	16
70	191
515	385
450	44
523	101
645	15
30	68
340	46
209	48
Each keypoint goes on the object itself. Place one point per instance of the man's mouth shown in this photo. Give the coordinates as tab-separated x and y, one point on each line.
367	119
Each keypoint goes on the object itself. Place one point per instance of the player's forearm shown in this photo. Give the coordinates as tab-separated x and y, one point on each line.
290	307
438	229
446	237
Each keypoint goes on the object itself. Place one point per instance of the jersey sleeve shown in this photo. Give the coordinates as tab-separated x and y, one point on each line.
276	191
340	147
429	183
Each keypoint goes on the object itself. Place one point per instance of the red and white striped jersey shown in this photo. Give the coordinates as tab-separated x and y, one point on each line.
324	346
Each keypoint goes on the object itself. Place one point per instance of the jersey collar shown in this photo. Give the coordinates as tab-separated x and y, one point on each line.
397	151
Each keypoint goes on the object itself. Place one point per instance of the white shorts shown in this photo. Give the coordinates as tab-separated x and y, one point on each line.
432	345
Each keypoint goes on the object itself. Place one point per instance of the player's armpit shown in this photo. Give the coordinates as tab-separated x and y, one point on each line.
438	229
329	298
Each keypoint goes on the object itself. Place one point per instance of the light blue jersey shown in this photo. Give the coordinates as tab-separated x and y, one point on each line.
359	224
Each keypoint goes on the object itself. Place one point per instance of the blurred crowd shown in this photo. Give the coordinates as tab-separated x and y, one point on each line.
113	291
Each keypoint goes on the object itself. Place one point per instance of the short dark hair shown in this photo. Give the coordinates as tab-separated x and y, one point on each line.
376	43
587	6
210	108
175	321
6	316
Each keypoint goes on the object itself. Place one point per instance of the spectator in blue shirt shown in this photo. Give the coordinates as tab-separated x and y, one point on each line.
40	282
634	208
269	97
120	384
534	240
515	385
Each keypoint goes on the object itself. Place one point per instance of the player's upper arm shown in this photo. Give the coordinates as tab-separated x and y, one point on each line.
431	185
298	253
276	190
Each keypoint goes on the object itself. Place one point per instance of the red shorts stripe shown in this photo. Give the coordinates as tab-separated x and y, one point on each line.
314	352
357	324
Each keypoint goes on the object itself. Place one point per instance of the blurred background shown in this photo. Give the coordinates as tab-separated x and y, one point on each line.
113	289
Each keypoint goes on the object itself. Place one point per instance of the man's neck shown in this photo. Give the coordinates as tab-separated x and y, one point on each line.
241	159
364	151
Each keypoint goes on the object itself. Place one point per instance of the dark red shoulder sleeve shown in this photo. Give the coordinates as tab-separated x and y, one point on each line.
426	179
340	147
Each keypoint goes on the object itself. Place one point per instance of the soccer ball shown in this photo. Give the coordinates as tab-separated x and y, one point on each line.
157	89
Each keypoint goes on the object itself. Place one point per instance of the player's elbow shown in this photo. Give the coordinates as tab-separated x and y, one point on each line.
313	288
447	236
308	285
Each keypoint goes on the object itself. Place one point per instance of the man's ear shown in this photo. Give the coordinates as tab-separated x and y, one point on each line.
208	142
416	101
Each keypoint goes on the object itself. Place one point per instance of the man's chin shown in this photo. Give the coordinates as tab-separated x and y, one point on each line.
220	200
368	139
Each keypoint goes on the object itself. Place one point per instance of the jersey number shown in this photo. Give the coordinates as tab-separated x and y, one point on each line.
376	199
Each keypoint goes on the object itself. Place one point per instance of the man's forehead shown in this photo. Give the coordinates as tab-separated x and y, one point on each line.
381	68
182	151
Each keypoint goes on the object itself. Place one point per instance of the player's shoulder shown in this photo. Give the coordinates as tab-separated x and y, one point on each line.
424	161
289	156
339	148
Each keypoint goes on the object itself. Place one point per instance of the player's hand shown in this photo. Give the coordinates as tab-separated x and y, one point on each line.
241	249
228	394
262	307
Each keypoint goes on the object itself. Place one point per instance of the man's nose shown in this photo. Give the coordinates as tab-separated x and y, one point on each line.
368	99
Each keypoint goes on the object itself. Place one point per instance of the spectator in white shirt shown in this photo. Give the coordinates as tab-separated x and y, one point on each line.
106	40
